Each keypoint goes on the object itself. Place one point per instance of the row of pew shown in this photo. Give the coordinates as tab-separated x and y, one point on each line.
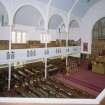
29	81
36	85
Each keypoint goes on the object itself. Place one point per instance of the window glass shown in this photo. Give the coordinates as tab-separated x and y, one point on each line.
13	37
19	39
23	37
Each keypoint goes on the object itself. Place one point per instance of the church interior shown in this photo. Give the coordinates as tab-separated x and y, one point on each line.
52	48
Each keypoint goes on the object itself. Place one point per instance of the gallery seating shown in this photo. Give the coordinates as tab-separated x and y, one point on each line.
29	81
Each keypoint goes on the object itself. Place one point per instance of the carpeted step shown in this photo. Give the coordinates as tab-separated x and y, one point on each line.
85	84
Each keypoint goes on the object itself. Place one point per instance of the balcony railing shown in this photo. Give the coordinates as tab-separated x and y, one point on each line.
36	53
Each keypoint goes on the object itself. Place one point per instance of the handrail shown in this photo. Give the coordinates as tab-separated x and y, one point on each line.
101	96
57	101
36	53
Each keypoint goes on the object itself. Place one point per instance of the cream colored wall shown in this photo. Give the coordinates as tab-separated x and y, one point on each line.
95	13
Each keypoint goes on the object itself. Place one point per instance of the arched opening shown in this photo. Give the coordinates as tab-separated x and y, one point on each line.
55	21
29	16
74	24
74	34
98	46
74	39
30	20
98	37
57	29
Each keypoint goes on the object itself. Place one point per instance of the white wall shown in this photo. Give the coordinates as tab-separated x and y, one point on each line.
12	7
35	34
5	33
74	34
28	15
54	11
31	32
54	35
94	14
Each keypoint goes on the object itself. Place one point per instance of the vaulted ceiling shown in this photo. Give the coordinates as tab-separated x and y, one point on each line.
80	9
83	6
27	13
65	5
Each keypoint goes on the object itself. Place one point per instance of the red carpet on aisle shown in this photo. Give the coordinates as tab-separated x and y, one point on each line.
85	78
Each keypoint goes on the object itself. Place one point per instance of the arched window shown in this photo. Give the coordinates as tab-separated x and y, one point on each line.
56	24
55	21
74	33
73	24
98	37
99	29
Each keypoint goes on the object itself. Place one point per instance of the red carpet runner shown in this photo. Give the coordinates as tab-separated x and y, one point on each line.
85	78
